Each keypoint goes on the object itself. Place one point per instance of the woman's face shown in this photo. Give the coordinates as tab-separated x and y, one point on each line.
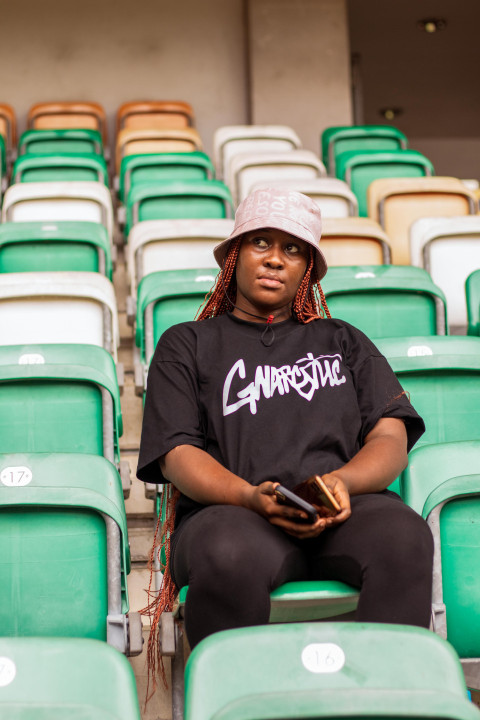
270	267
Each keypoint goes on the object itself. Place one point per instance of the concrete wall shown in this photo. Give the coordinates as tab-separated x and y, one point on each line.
300	65
113	51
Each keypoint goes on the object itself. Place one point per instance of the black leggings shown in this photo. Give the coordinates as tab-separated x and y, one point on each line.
231	558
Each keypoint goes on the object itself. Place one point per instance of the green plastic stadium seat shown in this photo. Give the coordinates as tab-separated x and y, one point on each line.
359	169
334	670
155	167
48	246
59	398
442	376
58	677
55	142
386	300
165	298
3	157
178	200
357	138
65	167
442	483
472	292
64	553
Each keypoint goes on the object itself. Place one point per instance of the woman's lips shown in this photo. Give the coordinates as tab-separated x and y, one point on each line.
270	281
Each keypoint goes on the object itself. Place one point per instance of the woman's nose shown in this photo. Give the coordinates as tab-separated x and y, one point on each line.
273	257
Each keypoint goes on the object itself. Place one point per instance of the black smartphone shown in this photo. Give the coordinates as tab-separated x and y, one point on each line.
287	497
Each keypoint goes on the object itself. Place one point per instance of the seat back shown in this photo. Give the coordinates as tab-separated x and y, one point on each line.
51	168
37	680
312	671
442	377
472	292
397	203
354	241
63	246
358	138
442	482
449	248
160	114
58	201
65	115
54	142
8	126
166	298
58	307
230	140
359	169
173	245
59	398
56	553
193	199
249	169
132	141
386	300
334	197
156	167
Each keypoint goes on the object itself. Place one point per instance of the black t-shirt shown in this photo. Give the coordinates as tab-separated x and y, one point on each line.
300	406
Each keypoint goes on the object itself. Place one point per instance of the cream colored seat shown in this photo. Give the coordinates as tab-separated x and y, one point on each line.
231	140
56	201
449	249
354	241
58	307
333	196
173	245
397	203
62	115
249	169
133	141
155	114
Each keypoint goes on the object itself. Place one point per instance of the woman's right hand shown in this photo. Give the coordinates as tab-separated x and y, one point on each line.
262	499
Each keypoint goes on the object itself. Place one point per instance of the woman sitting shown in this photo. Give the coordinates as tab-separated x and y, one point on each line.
266	388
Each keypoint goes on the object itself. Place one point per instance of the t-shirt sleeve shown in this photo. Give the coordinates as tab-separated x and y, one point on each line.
171	415
378	391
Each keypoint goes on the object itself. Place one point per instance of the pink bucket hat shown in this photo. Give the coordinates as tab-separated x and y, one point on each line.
281	209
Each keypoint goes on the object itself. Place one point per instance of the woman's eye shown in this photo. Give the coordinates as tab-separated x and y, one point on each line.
259	242
293	248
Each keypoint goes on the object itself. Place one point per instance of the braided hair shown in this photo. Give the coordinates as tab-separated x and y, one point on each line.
308	304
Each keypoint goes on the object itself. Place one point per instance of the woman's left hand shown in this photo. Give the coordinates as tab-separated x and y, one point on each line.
303	531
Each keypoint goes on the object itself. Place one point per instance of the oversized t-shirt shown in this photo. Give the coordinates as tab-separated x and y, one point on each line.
299	406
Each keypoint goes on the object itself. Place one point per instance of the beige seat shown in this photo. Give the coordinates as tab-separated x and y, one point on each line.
354	241
132	141
8	127
63	115
160	114
397	203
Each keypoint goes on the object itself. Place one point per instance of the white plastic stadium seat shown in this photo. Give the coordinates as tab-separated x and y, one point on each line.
449	249
333	196
249	169
231	140
173	245
58	307
75	200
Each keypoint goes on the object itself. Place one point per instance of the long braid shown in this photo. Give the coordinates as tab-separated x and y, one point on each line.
216	301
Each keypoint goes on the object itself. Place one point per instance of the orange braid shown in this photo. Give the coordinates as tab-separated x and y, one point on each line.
163	600
308	304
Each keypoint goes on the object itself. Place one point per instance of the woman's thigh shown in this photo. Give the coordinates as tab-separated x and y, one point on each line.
235	544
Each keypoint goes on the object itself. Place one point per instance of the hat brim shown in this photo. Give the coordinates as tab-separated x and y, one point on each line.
281	223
